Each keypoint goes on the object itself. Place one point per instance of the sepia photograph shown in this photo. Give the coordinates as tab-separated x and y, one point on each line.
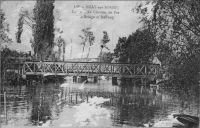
100	63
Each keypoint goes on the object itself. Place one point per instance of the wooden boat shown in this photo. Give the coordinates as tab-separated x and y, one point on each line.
189	120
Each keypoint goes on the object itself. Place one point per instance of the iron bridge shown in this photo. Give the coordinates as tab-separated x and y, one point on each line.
92	69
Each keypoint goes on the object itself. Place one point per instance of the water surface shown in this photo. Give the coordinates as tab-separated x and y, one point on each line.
100	104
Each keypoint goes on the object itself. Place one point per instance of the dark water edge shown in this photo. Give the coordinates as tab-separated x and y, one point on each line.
129	105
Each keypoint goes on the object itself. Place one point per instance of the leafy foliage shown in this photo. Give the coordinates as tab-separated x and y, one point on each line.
43	29
104	41
121	50
60	42
20	29
41	21
88	36
177	26
26	17
139	47
105	57
8	59
7	55
91	41
4	29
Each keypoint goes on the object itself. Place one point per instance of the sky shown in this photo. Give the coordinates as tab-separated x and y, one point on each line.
121	23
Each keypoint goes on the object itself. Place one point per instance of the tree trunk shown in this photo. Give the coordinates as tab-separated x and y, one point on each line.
83	50
59	52
100	55
88	53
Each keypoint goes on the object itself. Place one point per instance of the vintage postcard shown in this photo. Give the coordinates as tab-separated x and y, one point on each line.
100	63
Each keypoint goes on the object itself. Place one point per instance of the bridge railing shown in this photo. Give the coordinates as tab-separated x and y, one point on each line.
92	68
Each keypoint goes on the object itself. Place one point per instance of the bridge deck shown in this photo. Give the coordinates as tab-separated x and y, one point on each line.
92	69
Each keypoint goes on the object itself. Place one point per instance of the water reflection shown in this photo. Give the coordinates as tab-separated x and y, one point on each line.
64	104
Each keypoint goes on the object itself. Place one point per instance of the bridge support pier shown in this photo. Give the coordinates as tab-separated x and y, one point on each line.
145	86
74	79
110	80
23	76
119	80
92	79
127	81
134	86
95	79
83	78
78	79
114	80
69	79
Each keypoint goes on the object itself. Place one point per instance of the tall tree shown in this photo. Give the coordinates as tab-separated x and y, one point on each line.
4	39
87	37
121	50
43	29
26	17
4	29
91	40
105	57
60	42
177	26
20	28
104	41
139	47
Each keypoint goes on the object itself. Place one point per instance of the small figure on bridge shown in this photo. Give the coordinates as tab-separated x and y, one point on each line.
40	65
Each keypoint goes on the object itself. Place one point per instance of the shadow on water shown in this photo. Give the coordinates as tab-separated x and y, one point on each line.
129	104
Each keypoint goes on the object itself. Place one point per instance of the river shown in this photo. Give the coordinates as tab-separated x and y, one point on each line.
71	104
